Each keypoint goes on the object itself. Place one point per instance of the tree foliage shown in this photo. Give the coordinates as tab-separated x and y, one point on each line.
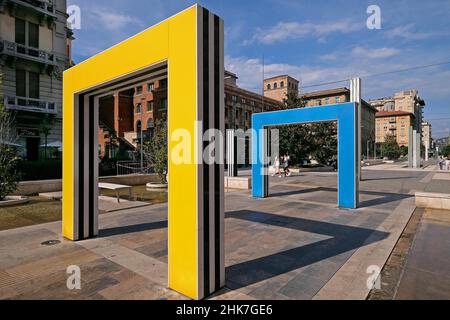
9	160
316	140
446	151
390	148
155	149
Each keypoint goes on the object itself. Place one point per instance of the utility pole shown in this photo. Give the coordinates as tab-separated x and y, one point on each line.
142	144
262	85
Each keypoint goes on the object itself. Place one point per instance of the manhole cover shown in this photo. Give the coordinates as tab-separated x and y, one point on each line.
50	243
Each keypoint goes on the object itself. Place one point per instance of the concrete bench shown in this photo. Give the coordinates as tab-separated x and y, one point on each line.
115	187
433	200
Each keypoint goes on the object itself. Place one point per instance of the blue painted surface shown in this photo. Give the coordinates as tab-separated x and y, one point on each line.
346	116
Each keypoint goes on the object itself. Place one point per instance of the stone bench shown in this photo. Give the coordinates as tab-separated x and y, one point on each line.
115	187
433	200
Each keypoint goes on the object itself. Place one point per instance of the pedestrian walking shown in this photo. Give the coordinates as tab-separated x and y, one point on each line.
276	167
286	170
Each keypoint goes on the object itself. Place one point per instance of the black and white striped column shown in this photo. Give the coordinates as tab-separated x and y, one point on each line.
232	159
211	176
85	222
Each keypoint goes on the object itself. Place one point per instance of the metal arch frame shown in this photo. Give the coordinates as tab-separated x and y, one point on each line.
345	114
191	44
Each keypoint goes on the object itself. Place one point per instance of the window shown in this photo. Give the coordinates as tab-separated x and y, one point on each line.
27	84
275	85
327	100
163	104
150	124
338	99
33	35
244	101
138	108
151	87
318	102
163	83
282	84
150	105
20	31
33	85
27	33
138	125
234	98
21	90
139	90
269	87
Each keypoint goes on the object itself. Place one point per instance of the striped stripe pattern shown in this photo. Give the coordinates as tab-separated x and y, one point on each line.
211	273
86	168
232	161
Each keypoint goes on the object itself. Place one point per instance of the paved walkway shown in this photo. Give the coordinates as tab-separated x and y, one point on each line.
427	271
294	245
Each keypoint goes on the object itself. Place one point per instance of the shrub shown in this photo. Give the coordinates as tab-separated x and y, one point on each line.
41	170
9	173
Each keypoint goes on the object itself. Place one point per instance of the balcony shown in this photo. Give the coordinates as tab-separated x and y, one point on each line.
44	7
30	105
16	50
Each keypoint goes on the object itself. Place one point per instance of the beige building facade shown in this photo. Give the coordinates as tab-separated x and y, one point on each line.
396	123
279	87
34	52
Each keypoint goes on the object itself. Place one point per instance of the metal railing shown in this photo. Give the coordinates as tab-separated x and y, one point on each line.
44	6
25	52
131	167
29	104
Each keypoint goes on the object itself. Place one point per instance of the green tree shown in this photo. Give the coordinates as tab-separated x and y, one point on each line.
390	148
318	140
446	151
9	160
155	149
404	150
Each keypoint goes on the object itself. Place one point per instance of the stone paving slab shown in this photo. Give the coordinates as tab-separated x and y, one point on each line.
297	246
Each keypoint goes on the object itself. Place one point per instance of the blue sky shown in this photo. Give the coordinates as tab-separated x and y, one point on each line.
313	41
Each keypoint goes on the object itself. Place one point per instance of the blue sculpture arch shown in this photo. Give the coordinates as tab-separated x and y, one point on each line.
346	115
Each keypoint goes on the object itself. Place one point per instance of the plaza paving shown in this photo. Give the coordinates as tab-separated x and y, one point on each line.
294	245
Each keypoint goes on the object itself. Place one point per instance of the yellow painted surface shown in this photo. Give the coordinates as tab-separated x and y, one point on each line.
173	40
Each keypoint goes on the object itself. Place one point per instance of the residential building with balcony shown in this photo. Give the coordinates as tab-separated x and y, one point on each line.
34	51
394	123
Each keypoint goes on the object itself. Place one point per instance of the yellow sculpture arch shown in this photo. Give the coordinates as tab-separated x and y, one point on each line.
190	43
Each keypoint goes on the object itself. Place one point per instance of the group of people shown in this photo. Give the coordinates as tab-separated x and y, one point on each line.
444	163
281	166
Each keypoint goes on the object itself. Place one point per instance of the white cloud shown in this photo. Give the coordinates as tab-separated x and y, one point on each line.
406	32
112	20
372	53
295	30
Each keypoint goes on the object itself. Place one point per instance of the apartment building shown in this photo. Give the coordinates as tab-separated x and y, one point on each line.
407	106
394	123
34	51
279	87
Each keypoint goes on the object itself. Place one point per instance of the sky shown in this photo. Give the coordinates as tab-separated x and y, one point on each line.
314	41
